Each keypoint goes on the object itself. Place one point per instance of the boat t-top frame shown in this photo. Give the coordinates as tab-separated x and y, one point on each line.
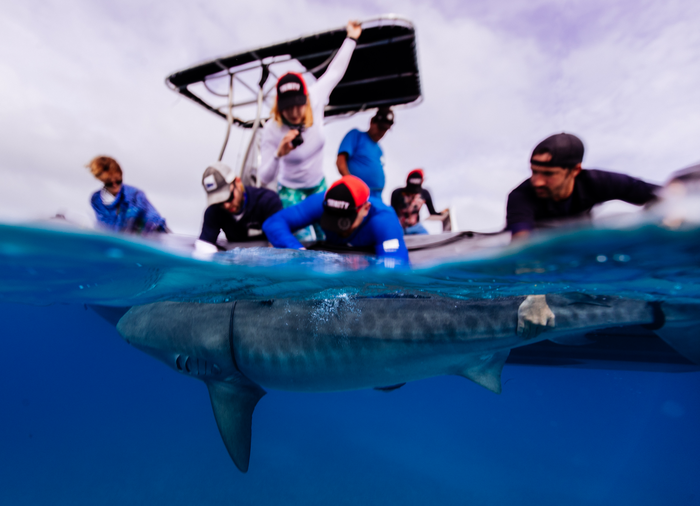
383	72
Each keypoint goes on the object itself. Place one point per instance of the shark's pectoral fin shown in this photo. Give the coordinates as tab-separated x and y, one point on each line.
684	337
233	409
487	372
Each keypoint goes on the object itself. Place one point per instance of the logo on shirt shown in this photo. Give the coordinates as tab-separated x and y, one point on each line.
290	87
391	245
338	204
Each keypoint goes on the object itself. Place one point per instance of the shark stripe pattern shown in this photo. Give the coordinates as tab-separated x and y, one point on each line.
346	343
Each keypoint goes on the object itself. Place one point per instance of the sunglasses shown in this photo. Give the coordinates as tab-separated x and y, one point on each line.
111	184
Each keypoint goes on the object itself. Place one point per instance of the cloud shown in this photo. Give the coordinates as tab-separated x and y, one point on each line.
80	78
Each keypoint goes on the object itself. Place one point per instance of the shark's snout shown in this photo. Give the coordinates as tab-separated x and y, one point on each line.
192	339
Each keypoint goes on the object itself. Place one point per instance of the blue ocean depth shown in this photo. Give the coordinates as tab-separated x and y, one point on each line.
89	420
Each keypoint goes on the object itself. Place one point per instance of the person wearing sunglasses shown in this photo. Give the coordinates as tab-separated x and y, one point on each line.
119	207
237	210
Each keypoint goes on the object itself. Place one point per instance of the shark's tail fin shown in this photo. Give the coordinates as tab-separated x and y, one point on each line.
233	409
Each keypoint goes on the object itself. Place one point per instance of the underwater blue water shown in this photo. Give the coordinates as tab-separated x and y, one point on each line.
87	419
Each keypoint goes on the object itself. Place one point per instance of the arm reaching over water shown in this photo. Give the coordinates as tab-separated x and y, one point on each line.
534	316
279	227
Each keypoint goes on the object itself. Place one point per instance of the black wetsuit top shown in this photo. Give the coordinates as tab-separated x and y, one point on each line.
407	205
260	204
525	211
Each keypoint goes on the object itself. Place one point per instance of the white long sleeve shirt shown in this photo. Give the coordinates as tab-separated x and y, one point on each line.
303	166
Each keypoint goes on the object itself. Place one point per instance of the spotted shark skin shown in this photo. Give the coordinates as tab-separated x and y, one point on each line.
344	344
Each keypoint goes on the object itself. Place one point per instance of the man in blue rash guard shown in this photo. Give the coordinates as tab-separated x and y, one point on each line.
348	216
559	189
119	207
361	155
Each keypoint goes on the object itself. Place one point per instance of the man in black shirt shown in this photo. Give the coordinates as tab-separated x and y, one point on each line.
233	208
559	189
408	201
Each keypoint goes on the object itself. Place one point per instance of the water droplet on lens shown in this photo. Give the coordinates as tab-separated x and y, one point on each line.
601	258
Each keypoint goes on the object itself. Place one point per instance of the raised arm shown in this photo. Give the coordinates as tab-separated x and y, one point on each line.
336	69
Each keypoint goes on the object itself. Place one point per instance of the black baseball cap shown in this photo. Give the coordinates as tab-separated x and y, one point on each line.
291	91
414	181
342	202
384	116
566	150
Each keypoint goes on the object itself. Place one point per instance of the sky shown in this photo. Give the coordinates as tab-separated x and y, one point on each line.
80	78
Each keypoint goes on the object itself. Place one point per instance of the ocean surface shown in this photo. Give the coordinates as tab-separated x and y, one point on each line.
88	419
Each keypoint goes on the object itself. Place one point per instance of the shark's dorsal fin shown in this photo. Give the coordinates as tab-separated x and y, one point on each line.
233	406
487	373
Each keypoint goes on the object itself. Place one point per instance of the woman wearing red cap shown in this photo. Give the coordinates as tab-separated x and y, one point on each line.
407	203
293	138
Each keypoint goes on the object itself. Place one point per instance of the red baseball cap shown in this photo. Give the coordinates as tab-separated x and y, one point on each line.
341	203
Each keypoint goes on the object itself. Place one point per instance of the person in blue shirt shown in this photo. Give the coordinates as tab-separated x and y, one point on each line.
361	155
348	216
119	207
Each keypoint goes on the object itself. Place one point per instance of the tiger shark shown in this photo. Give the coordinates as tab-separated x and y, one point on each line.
238	348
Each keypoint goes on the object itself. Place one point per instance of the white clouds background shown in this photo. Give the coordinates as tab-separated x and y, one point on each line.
80	78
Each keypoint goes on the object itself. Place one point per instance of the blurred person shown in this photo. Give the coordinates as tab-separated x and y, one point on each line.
232	207
348	216
361	155
293	139
408	201
119	207
559	189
